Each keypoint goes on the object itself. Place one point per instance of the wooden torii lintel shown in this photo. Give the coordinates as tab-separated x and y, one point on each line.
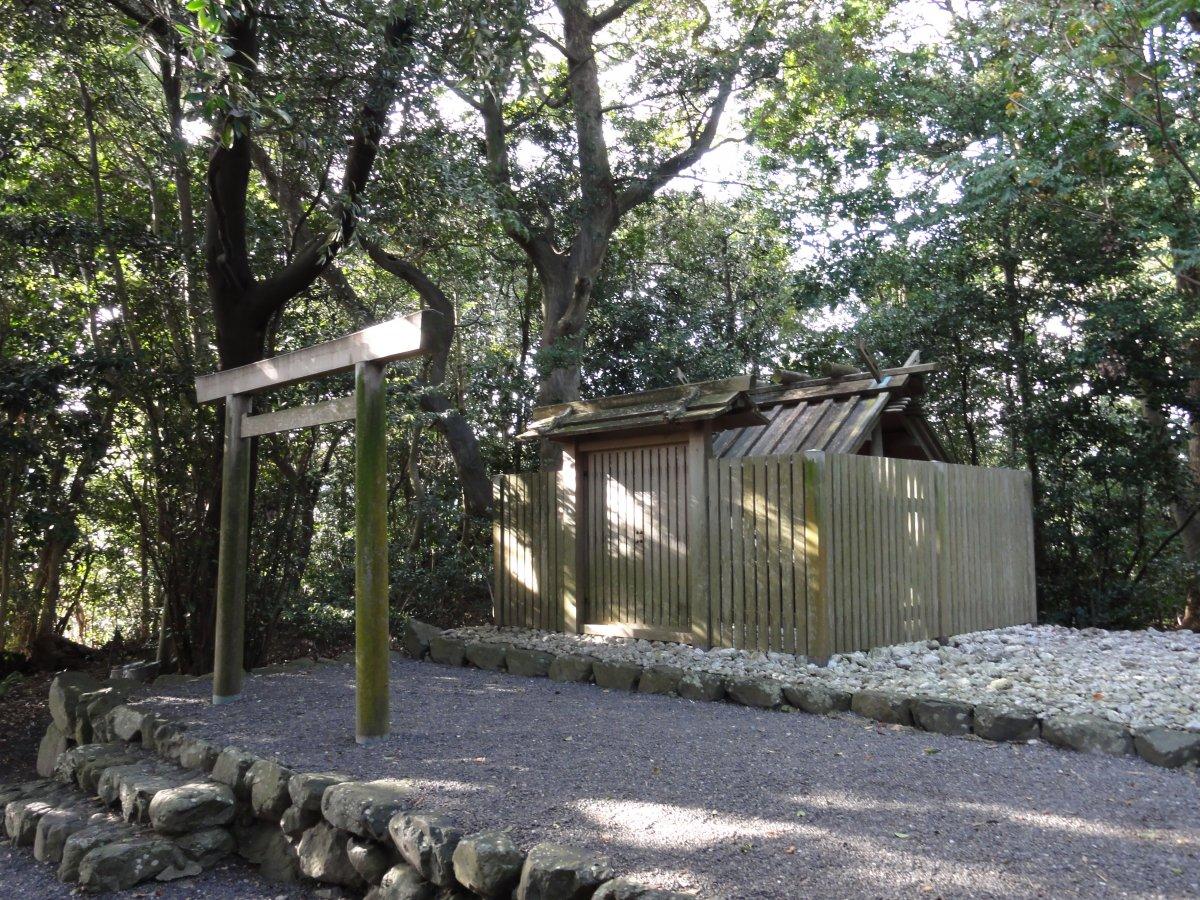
367	352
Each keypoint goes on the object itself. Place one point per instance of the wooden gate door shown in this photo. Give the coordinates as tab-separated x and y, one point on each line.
636	527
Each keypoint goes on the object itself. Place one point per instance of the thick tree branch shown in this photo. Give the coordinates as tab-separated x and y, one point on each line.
641	190
612	13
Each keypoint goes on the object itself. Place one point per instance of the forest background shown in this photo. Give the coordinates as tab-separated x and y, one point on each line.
589	198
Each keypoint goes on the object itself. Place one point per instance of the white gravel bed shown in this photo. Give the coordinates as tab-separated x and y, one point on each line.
1137	678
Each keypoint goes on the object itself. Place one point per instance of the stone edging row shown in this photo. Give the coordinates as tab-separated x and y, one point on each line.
1167	747
359	835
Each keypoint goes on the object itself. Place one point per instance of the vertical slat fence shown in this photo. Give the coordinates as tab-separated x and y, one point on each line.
811	553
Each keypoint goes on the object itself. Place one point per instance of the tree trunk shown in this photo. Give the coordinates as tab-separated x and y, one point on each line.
438	327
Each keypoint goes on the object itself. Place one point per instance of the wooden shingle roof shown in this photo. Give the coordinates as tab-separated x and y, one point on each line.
726	403
851	412
837	414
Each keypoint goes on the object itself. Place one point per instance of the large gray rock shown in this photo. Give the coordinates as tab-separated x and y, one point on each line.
1168	747
138	792
660	680
447	650
52	746
123	864
1087	734
553	872
65	691
818	699
529	663
307	788
125	723
192	807
90	771
485	655
568	667
56	826
415	638
323	857
263	844
79	844
92	707
996	722
403	882
627	889
233	768
370	859
765	693
295	821
364	808
883	706
108	785
426	841
24	790
701	686
488	863
269	795
198	754
85	764
169	741
620	676
21	817
942	716
207	847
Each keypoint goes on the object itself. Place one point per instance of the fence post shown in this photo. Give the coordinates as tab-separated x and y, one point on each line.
232	553
498	550
941	556
817	562
371	643
572	522
699	450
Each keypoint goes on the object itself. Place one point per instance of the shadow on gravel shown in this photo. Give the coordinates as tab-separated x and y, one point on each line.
735	802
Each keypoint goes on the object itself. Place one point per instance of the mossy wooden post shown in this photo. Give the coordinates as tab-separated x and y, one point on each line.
817	536
699	451
232	552
370	554
572	521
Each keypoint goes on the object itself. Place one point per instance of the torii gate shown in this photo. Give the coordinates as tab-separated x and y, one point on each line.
367	352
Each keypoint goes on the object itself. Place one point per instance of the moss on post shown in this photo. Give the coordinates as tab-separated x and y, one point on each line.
370	554
232	555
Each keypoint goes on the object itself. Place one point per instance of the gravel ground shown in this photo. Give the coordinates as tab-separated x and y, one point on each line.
1136	678
23	876
729	801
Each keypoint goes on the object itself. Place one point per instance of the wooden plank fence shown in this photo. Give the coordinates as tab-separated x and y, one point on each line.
810	554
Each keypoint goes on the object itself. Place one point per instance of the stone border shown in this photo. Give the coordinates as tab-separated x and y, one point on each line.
324	827
1160	746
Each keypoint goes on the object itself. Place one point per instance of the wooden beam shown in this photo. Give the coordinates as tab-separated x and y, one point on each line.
639	632
232	556
799	379
371	643
338	409
387	341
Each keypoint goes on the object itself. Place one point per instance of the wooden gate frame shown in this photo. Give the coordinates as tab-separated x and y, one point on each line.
367	352
573	493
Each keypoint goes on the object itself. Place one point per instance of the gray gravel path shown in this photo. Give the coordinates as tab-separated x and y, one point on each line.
734	802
